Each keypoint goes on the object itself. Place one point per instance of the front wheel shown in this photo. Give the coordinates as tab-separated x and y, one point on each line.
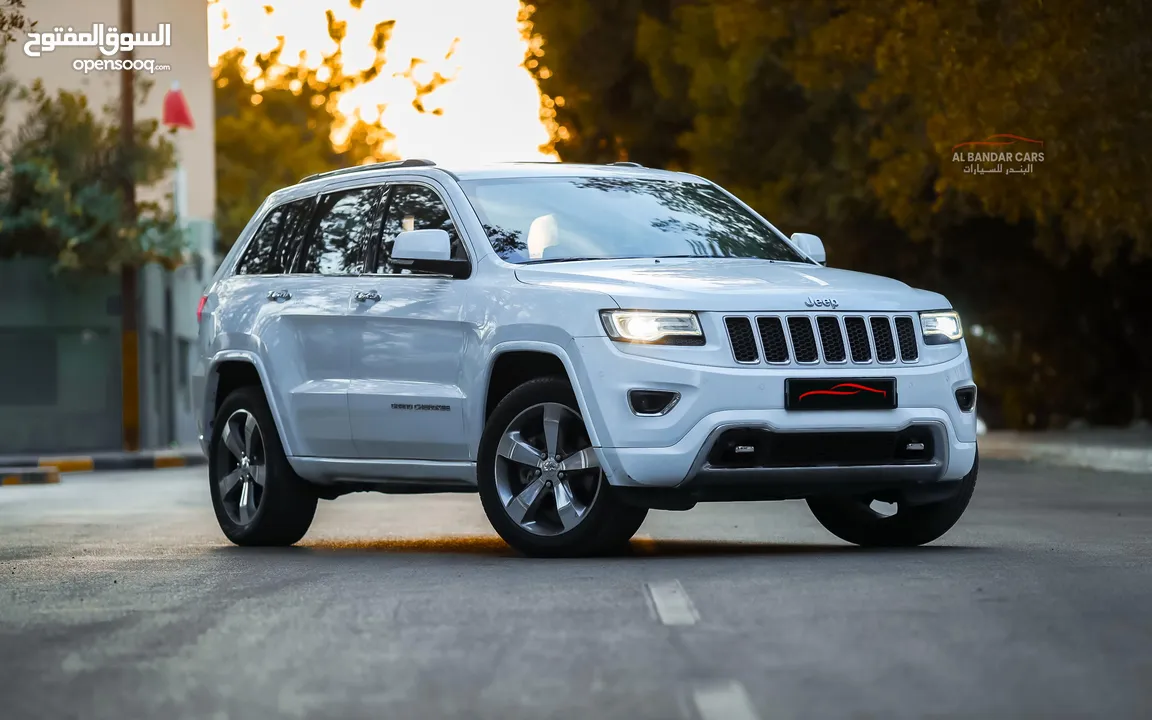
853	519
540	481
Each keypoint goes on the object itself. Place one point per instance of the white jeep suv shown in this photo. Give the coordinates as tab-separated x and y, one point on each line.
577	343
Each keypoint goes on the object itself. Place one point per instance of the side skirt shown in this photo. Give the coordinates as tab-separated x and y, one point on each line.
334	477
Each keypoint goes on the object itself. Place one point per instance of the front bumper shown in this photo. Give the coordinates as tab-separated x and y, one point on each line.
672	451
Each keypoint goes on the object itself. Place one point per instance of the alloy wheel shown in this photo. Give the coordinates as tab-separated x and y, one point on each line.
547	474
244	468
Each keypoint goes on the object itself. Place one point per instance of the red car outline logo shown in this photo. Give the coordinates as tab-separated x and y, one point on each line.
999	139
856	389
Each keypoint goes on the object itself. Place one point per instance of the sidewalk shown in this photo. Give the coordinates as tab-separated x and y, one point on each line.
143	460
1115	450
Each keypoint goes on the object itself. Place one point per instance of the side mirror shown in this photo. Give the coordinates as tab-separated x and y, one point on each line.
811	246
430	251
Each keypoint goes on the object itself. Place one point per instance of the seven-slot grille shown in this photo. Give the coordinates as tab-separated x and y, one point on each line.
832	339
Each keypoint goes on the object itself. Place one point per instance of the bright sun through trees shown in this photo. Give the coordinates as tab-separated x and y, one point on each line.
488	111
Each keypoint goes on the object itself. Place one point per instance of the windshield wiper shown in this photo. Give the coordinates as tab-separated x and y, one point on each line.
579	259
717	257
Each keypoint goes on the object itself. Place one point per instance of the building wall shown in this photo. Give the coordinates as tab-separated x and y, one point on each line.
59	361
60	336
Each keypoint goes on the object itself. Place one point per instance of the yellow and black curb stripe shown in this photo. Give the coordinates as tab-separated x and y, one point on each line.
150	460
29	476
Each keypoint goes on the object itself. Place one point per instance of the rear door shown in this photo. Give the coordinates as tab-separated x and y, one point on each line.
405	398
279	315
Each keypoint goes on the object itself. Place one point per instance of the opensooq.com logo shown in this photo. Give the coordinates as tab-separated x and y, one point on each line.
108	40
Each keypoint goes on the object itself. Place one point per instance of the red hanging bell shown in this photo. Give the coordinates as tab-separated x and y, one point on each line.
176	112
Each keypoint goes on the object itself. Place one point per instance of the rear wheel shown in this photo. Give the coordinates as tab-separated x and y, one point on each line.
258	498
854	520
540	481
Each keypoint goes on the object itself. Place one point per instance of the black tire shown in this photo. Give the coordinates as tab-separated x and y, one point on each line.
286	503
609	524
852	520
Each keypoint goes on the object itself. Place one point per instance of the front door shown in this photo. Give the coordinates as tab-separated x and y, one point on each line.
405	399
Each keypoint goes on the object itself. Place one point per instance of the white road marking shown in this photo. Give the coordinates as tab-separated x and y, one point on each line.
724	700
672	604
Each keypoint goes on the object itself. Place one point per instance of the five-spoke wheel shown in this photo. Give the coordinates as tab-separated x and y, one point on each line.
547	474
540	478
243	486
258	498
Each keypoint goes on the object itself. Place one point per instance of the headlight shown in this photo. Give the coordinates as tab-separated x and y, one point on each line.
941	328
653	328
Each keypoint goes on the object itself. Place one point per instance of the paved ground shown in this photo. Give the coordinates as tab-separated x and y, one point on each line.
120	599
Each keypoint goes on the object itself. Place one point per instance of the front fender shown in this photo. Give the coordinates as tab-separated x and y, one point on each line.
563	354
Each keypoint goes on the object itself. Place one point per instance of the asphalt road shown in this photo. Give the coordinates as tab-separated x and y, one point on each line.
119	598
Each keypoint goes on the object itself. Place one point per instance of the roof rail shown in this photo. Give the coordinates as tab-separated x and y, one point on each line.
626	164
411	162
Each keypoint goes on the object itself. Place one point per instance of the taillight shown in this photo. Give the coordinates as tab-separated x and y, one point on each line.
200	308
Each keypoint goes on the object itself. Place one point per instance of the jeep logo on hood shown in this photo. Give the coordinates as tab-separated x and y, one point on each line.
822	302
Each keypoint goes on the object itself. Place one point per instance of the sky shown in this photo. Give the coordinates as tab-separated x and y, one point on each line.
490	112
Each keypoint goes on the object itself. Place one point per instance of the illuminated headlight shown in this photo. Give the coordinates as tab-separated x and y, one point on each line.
653	328
941	328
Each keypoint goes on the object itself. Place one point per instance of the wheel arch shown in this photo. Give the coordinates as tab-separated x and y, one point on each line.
232	369
509	366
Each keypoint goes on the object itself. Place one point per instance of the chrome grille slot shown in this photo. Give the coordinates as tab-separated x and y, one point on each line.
803	340
882	336
772	338
742	340
831	339
858	339
906	335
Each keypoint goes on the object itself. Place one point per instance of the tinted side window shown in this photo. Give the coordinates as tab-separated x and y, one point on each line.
414	207
272	247
345	220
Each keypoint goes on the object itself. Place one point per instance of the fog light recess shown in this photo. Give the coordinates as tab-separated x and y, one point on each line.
652	402
966	398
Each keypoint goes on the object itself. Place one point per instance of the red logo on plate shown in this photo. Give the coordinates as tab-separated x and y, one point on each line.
843	389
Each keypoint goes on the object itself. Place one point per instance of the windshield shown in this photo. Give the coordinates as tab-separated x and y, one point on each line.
578	218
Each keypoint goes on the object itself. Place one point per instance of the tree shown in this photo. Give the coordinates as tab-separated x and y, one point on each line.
60	193
1069	73
839	118
13	20
599	94
275	124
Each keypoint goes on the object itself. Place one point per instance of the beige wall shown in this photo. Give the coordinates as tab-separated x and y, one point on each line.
187	56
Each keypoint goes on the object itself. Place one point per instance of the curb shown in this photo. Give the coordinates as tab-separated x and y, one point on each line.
148	460
29	476
1106	458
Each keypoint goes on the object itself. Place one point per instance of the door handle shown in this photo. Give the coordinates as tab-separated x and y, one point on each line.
366	296
279	295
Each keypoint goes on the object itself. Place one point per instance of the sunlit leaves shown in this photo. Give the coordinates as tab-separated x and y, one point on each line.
295	130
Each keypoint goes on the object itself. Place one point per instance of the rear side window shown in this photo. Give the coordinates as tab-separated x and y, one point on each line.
272	247
414	207
345	220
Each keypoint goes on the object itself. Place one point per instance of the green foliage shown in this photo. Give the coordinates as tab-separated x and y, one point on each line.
839	118
60	186
13	20
1070	73
606	105
275	125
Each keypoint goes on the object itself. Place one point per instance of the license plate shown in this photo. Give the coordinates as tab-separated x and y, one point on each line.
840	393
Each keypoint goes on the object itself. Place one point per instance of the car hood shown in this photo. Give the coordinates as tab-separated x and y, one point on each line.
731	285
